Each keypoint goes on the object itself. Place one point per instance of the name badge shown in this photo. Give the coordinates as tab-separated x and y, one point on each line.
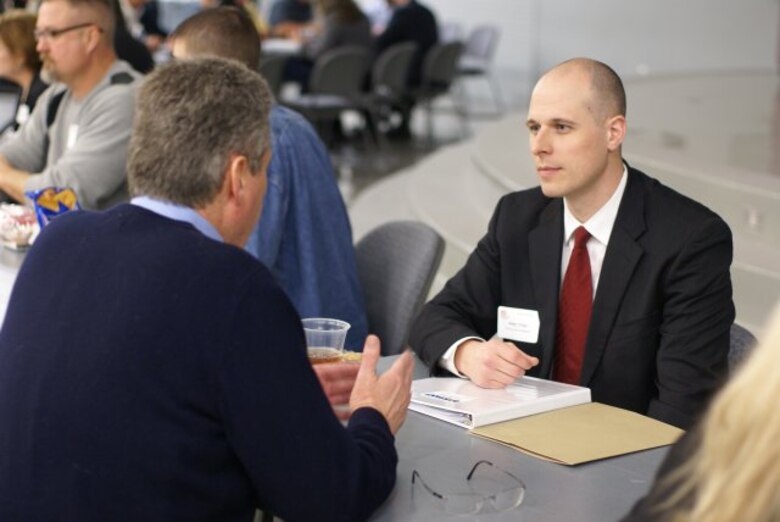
518	324
22	114
73	135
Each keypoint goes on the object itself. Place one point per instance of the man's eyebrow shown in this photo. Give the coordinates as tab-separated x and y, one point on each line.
553	121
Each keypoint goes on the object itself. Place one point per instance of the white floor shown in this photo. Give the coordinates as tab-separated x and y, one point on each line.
713	137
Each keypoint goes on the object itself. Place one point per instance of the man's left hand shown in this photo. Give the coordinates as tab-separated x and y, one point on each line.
337	381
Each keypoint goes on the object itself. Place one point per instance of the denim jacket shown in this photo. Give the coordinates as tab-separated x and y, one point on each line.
304	235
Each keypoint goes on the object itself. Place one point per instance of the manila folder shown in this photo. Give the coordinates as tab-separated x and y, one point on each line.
582	433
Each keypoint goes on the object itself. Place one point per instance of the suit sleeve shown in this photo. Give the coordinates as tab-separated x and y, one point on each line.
467	306
695	324
282	427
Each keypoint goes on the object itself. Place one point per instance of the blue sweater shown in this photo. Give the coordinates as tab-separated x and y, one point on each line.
150	373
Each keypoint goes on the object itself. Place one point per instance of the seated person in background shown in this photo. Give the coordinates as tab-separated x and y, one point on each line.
613	281
726	469
146	15
304	236
19	61
410	22
78	133
288	16
342	24
247	6
127	47
378	12
164	373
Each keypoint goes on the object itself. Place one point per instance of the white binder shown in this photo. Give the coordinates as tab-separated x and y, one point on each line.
460	402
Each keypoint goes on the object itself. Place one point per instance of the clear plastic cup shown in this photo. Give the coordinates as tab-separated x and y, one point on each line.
325	339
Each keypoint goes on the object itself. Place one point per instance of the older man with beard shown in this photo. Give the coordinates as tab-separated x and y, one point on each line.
78	134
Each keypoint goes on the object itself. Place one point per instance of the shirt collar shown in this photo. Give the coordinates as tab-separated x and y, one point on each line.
600	224
178	213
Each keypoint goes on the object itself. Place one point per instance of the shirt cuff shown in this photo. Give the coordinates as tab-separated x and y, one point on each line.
447	361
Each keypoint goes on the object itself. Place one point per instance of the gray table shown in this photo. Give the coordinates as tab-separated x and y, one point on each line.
444	454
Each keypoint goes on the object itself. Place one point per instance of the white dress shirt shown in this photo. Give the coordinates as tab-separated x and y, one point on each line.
599	226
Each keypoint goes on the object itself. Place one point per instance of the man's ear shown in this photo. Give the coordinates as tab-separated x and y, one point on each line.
616	132
93	36
237	170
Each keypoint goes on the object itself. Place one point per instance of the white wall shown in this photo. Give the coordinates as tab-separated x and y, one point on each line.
634	37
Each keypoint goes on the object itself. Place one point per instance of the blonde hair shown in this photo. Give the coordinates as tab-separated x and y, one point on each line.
17	32
734	473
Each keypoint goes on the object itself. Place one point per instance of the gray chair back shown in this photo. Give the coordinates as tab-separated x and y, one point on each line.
272	69
391	69
450	32
477	59
396	264
440	66
340	72
740	345
482	43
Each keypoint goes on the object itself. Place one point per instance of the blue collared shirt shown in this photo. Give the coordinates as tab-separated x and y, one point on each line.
178	213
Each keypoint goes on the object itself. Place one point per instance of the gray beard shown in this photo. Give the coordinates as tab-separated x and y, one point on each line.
48	76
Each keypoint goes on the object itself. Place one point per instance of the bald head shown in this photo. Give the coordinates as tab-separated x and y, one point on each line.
607	96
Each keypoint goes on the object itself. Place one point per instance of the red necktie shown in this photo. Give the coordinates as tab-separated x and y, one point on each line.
574	309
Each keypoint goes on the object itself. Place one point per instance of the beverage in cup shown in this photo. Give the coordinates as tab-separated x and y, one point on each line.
325	339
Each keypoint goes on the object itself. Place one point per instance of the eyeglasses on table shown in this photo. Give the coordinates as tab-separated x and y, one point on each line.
470	503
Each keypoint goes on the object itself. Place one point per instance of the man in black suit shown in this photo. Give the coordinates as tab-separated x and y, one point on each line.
654	330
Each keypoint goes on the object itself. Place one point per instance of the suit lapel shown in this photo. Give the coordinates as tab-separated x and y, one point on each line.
623	254
544	245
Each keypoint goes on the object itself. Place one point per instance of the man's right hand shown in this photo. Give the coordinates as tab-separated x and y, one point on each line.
389	393
492	364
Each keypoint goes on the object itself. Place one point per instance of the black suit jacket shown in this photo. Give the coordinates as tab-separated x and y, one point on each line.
659	333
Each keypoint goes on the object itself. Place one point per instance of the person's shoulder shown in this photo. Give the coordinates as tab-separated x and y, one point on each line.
283	116
122	74
290	125
417	8
523	209
120	81
178	239
69	227
665	202
116	93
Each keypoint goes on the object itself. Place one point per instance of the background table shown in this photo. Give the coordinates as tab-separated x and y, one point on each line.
10	261
281	46
443	454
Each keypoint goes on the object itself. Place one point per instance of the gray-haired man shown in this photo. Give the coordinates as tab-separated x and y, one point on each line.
177	387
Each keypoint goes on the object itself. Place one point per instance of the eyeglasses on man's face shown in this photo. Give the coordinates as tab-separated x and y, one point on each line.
504	498
51	34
